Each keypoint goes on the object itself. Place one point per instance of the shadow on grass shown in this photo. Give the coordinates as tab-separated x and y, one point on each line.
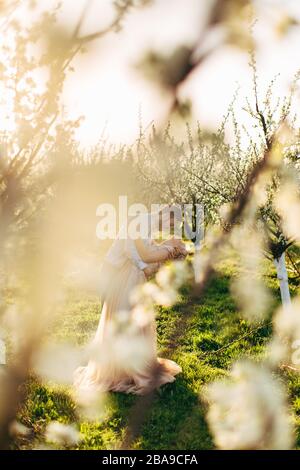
176	420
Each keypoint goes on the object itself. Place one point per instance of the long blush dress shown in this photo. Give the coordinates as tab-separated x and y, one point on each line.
107	371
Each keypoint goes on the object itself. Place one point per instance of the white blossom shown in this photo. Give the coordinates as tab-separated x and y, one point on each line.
91	403
251	296
57	362
287	321
285	342
287	203
277	351
18	429
123	344
62	434
173	275
250	411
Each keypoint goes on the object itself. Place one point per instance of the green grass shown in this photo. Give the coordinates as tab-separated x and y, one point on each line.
177	417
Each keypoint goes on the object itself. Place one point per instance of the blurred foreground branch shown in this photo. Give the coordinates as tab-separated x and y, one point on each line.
268	163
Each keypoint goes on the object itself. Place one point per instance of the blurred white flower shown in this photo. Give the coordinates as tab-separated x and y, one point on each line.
17	429
166	297
249	245
199	261
296	353
260	193
286	340
150	294
165	291
123	346
62	434
144	294
2	351
18	324
173	275
287	321
189	246
57	362
224	210
91	403
287	203
249	412
142	316
248	289
277	351
251	296
42	447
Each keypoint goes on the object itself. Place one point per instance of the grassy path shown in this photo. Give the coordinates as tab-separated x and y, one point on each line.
176	419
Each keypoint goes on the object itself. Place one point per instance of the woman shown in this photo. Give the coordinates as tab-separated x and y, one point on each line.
127	265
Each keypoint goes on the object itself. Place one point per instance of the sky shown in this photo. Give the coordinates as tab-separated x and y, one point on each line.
109	91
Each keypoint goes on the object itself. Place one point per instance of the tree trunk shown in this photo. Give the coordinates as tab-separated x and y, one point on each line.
282	276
